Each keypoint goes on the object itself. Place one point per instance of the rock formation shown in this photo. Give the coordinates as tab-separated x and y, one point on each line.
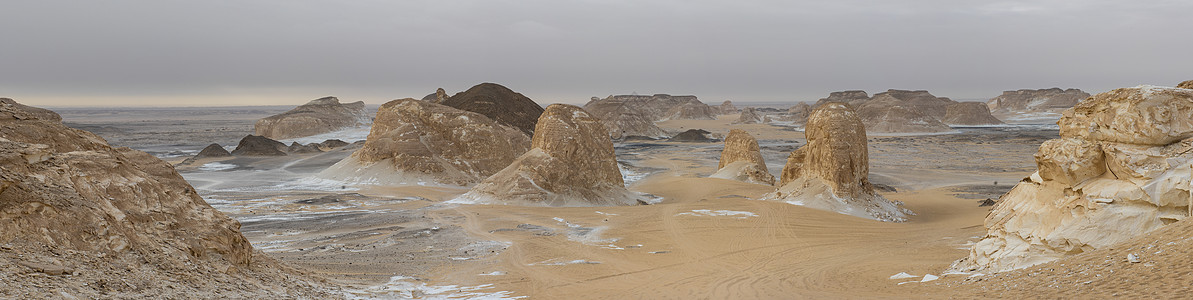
328	145
415	142
692	136
255	145
498	103
969	113
727	108
571	163
891	115
319	116
741	160
831	172
1120	169
1185	85
298	148
70	204
634	115
854	98
1023	103
213	150
749	115
440	95
31	112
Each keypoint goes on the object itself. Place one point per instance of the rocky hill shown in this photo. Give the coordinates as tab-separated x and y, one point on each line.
1026	103
319	116
634	115
498	103
903	111
741	160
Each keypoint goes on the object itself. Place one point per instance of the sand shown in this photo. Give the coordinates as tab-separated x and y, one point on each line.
705	239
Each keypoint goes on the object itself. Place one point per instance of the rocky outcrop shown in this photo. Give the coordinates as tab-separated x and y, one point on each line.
213	150
418	142
854	98
727	108
741	160
319	116
31	112
331	144
1026	103
1120	169
1185	85
634	115
831	172
749	115
498	103
297	148
969	113
255	145
692	136
571	163
889	115
70	204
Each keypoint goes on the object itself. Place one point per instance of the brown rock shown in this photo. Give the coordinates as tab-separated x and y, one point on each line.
854	98
1070	161
415	142
741	160
440	95
296	148
1185	85
32	112
969	113
319	116
831	171
749	115
727	108
571	163
498	103
624	120
213	150
634	115
1035	101
254	145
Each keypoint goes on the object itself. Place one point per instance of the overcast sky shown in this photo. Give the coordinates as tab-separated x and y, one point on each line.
195	53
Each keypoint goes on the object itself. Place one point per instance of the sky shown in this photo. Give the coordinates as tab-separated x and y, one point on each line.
282	52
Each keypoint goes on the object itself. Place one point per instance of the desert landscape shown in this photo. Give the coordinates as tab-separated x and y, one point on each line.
596	150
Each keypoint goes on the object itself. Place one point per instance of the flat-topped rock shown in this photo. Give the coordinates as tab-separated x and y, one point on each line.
498	103
419	142
634	115
318	116
1028	101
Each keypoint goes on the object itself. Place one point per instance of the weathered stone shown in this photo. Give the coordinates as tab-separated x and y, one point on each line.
296	148
969	113
498	103
1185	85
440	95
319	116
1144	115
691	111
213	150
32	112
741	160
831	171
414	142
1070	161
1025	101
692	136
893	116
328	145
727	108
254	145
634	115
749	115
571	163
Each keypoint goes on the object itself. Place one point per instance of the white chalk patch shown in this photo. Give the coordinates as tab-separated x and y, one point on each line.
494	273
929	277
718	213
558	262
605	213
402	287
216	166
902	275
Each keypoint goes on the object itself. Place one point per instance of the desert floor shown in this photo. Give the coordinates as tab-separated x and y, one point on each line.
705	239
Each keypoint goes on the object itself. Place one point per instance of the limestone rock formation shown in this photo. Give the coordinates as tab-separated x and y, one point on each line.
692	136
70	204
831	172
1026	103
415	142
255	145
31	112
571	163
749	115
854	98
742	160
891	115
969	113
213	150
727	108
498	103
1120	169
634	115
1185	85
319	116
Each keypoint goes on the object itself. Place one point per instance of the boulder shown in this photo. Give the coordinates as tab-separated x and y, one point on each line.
741	160
419	142
831	172
1121	169
570	163
319	116
1185	85
498	103
1026	101
31	112
749	115
969	113
255	145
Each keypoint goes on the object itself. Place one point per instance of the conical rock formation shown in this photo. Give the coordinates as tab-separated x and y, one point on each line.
749	115
571	163
831	172
419	142
319	116
1120	169
969	113
741	160
498	103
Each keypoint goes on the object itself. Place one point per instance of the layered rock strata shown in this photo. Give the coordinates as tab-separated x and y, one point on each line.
1025	102
1120	169
319	116
831	172
570	163
742	160
418	142
749	115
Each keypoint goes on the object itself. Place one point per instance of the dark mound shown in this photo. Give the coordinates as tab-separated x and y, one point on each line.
295	147
213	150
255	145
500	104
332	144
692	135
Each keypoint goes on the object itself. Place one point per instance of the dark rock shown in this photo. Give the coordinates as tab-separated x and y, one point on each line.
500	104
255	145
692	135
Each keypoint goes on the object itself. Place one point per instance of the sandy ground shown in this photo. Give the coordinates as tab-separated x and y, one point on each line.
706	239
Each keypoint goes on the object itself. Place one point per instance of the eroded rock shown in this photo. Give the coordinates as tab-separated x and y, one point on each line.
498	103
749	115
634	115
741	160
969	113
255	145
319	116
1023	103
